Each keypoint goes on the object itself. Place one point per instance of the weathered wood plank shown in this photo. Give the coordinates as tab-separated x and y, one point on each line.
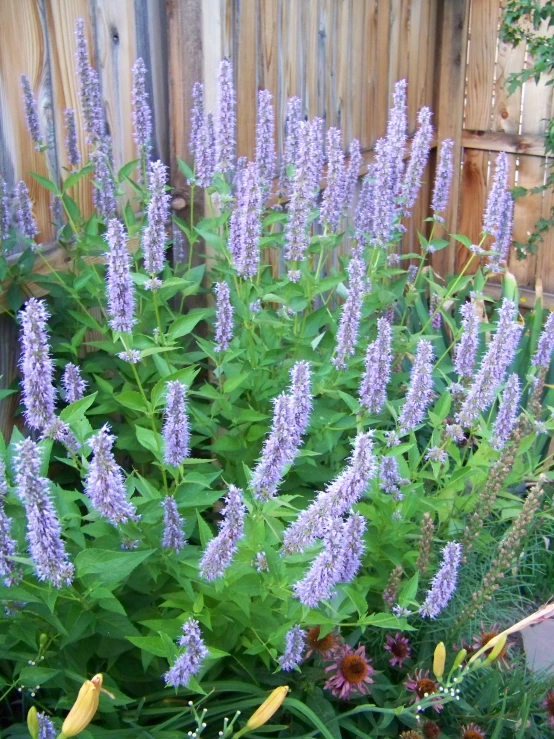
245	69
481	64
512	143
473	195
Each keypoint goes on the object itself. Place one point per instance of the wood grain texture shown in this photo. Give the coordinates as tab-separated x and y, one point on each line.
481	64
512	143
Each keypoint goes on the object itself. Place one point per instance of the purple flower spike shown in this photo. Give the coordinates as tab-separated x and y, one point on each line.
278	450
301	393
196	118
421	147
465	352
4	209
103	194
292	142
46	728
352	173
105	483
294	649
507	412
220	550
89	87
24	211
338	497
73	383
226	118
378	362
444	582
71	146
173	536
44	530
349	324
190	662
120	286
246	226
545	345
494	366
443	179
326	570
334	194
142	116
504	234
353	547
31	113
176	433
420	391
365	212
9	570
265	140
205	152
224	317
154	238
36	366
494	211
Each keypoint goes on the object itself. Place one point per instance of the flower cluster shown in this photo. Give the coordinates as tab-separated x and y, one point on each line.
220	550
190	661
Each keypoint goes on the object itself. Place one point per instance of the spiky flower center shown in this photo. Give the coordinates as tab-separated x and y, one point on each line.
399	647
473	734
354	668
325	644
425	687
431	730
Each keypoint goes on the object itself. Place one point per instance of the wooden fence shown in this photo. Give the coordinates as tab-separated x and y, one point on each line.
342	57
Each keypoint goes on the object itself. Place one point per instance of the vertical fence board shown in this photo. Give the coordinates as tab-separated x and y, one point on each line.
481	64
246	78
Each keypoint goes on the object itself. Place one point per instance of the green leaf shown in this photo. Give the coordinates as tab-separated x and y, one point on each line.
109	567
235	382
151	644
74	178
78	409
300	709
132	399
32	676
72	208
203	529
210	238
148	439
185	169
45	182
126	170
184	325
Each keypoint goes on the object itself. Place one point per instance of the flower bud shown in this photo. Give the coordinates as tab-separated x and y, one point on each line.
500	643
32	722
84	707
268	708
439	659
462	654
43	639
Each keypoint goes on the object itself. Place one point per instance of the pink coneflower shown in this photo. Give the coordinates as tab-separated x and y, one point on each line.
422	686
548	703
399	647
324	647
472	731
352	673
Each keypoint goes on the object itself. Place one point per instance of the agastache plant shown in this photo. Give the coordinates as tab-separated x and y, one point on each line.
220	550
292	143
71	145
9	570
31	113
443	179
378	362
420	391
334	195
120	286
294	648
103	194
176	433
190	661
507	412
226	119
494	211
73	383
36	366
173	536
465	351
142	116
89	87
196	118
4	209
246	225
349	324
421	146
24	211
224	317
154	236
444	582
265	140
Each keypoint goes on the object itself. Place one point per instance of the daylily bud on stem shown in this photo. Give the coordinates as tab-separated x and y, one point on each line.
439	659
265	711
32	722
462	654
498	647
83	709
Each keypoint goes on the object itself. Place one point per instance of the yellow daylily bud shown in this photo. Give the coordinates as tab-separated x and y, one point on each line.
32	722
498	647
462	654
439	659
84	707
268	708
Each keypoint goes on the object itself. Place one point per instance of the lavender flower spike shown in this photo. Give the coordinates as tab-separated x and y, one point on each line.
105	484
24	211
4	209
31	113
327	568
444	582
246	226
89	87
176	433
503	235
220	550
465	352
292	142
545	345
334	194
226	118
9	570
71	146
495	363
352	173
73	383
154	238
103	194
46	547
420	391
120	286
142	116
190	662
196	117
443	179
353	548
492	221
301	393
507	412
46	728
421	147
349	324
36	366
173	536
339	496
378	361
205	152
265	140
294	649
365	212
278	450
224	317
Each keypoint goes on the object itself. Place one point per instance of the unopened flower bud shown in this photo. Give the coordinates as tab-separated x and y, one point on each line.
84	708
439	659
268	708
32	722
